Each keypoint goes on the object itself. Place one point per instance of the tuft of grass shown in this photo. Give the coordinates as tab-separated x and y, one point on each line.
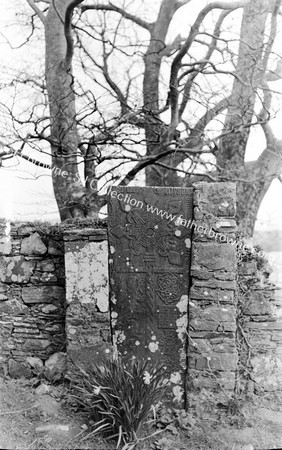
119	395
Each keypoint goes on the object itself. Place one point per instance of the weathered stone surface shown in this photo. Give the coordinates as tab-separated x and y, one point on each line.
35	344
214	283
87	273
211	295
267	372
200	380
55	248
5	245
45	265
52	428
88	356
15	269
57	361
216	199
33	245
212	318
212	353
18	370
43	294
258	303
270	326
25	230
149	263
13	307
34	361
248	268
221	362
214	256
43	389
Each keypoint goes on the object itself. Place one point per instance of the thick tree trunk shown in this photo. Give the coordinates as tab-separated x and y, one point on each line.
260	175
155	131
73	199
232	148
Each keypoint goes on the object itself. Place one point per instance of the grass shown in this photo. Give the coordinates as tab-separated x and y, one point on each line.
262	426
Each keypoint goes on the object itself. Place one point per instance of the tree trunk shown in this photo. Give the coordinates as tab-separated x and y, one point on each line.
232	148
155	130
68	189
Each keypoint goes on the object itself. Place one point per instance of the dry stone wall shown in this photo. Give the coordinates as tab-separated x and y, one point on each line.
259	327
234	315
32	295
212	353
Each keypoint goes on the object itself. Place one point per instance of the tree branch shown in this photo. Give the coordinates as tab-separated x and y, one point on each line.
37	10
68	30
211	48
176	64
117	9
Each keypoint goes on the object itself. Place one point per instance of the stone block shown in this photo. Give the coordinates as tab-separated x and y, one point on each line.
13	308
25	230
33	245
223	380
218	199
43	294
15	269
5	245
214	284
212	295
214	256
55	247
87	356
57	361
18	370
87	273
46	265
31	345
220	362
258	303
267	372
247	268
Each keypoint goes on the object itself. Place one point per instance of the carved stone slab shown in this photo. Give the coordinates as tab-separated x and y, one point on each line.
149	247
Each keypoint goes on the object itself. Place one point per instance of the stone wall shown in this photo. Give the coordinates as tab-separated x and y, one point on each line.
212	353
259	327
235	327
32	295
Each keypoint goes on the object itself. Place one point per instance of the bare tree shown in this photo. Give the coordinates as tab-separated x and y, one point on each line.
124	93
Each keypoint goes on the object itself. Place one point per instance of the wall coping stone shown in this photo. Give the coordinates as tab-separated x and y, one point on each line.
99	234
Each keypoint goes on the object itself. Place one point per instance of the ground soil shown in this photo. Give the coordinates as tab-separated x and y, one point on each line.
36	421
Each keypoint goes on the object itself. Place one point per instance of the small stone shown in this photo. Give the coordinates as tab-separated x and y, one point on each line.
33	245
42	389
18	370
33	361
52	428
57	360
43	294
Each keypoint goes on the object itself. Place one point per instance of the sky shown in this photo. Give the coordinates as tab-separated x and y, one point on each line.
26	190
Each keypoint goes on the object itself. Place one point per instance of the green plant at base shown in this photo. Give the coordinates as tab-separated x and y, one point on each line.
119	395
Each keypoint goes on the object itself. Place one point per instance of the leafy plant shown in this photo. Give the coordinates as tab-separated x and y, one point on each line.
119	395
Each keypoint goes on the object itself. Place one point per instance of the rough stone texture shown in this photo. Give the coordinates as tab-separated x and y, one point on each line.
149	272
33	245
259	328
87	294
212	352
32	296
